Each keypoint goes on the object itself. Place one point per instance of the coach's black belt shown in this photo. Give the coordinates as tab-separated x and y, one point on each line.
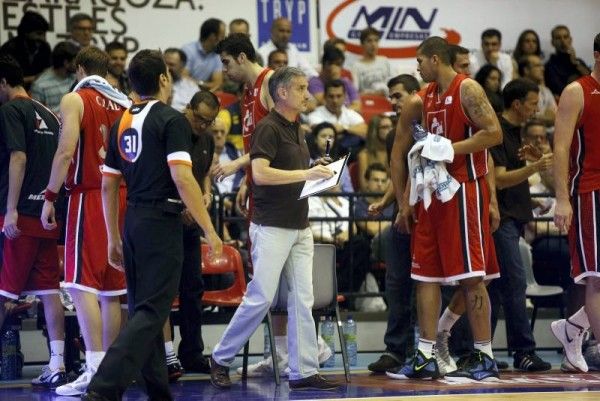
168	205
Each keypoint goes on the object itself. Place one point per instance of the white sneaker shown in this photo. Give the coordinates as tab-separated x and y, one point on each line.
572	346
442	354
265	367
78	386
324	350
50	378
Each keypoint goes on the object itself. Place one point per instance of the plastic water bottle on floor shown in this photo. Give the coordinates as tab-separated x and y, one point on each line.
11	369
349	328
328	333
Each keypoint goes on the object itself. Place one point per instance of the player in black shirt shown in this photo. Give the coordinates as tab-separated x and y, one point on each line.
28	140
149	147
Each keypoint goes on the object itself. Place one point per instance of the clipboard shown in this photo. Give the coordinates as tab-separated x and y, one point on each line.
312	187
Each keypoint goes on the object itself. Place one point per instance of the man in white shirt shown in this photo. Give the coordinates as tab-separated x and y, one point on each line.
491	41
281	31
348	123
183	86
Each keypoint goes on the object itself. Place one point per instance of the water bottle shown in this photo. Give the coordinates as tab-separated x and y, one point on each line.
349	329
11	367
418	131
328	333
267	342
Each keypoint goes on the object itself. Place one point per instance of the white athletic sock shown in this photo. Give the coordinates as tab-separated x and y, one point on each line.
95	359
170	352
447	320
485	347
579	318
427	348
57	350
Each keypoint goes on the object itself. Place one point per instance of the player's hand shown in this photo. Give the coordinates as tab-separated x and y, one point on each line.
48	216
10	229
219	171
207	198
544	163
563	214
241	198
407	218
318	172
215	244
115	254
494	216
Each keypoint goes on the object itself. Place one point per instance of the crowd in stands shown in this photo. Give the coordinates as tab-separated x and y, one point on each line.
523	87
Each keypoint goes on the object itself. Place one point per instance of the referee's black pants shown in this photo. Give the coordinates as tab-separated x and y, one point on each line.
153	256
191	288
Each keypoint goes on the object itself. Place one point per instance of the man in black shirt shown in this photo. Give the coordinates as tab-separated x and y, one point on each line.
563	67
157	170
514	201
28	140
200	113
282	241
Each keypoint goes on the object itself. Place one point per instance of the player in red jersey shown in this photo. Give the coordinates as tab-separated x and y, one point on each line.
87	116
454	248
577	185
238	57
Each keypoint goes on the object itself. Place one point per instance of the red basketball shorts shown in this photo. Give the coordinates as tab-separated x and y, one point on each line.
86	257
584	236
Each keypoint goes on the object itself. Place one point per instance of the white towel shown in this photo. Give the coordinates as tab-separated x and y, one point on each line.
428	176
101	85
438	148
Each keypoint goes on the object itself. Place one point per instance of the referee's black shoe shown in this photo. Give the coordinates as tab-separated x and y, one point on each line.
219	375
93	396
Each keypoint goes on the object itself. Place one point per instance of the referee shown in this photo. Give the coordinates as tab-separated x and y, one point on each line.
149	147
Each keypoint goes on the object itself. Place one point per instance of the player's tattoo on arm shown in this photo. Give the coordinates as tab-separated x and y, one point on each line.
476	104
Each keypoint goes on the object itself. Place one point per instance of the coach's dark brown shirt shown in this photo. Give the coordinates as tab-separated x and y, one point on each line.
282	143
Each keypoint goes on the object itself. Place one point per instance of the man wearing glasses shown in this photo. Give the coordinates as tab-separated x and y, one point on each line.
82	28
201	113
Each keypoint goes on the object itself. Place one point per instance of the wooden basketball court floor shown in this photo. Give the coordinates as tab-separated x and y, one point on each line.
548	386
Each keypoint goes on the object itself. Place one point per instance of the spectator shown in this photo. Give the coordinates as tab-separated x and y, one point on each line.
203	64
375	149
527	44
350	127
339	44
117	76
184	87
563	67
532	68
459	59
82	28
277	59
29	47
281	31
371	72
491	41
239	25
225	152
55	82
332	63
378	180
317	145
490	77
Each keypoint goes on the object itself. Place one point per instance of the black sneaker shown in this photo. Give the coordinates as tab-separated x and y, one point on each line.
175	371
384	363
501	365
314	382
479	366
530	362
50	379
219	375
196	365
93	396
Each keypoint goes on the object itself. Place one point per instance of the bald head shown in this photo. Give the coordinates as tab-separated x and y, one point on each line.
281	31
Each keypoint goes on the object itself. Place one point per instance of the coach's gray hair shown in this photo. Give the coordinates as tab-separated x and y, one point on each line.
282	77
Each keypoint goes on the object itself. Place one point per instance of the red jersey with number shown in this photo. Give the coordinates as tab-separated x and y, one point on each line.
584	163
99	114
443	115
